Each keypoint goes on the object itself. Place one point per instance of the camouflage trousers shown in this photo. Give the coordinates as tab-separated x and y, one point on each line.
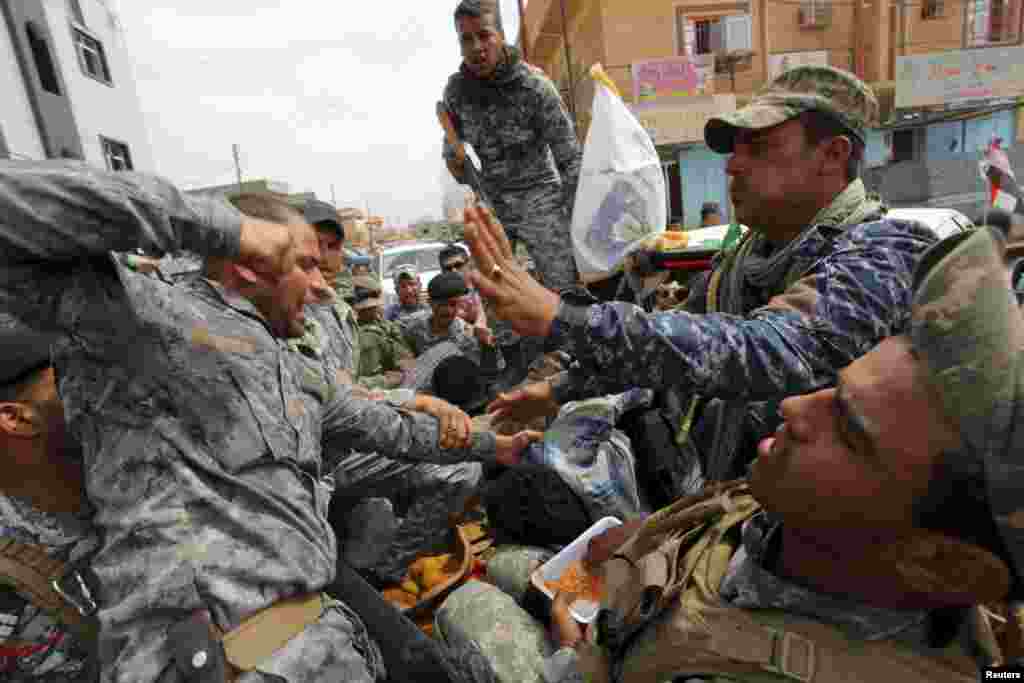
514	643
540	219
425	494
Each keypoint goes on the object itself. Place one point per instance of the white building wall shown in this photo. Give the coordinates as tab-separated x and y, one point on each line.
17	121
111	111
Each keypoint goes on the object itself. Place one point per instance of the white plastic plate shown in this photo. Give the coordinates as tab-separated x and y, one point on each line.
583	611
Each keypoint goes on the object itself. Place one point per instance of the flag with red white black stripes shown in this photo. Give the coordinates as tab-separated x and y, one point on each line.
1004	191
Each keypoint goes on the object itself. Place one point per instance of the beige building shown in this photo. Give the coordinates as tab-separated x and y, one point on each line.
679	62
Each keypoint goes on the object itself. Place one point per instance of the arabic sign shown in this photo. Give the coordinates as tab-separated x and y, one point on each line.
960	76
788	60
673	77
677	122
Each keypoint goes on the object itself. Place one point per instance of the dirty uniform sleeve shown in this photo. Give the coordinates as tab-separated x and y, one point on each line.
57	217
557	131
354	424
842	306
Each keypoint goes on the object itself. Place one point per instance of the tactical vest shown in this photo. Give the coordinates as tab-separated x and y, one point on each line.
664	616
55	588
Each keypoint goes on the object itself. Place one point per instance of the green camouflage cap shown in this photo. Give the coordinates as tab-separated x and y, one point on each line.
366	292
803	88
968	331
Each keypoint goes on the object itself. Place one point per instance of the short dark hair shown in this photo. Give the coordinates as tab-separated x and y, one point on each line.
18	389
451	251
474	9
820	126
457	380
266	207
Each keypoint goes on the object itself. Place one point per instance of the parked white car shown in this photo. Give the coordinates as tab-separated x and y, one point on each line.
943	222
423	255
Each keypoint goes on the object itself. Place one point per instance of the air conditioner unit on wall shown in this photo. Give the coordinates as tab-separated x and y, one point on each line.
731	34
815	14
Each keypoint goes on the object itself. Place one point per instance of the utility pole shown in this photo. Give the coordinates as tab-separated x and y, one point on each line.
238	166
522	32
568	68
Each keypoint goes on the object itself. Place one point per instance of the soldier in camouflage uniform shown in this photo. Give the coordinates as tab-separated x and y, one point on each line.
821	278
513	116
206	442
41	504
407	287
383	351
870	533
336	287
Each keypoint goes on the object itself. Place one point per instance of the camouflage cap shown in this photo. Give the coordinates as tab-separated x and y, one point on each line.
968	331
803	88
366	292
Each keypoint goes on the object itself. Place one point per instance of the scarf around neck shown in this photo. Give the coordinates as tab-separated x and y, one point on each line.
753	272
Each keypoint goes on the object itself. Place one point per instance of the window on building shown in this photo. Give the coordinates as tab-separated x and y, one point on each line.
728	33
75	10
702	36
117	154
815	13
993	21
43	58
903	145
91	56
933	9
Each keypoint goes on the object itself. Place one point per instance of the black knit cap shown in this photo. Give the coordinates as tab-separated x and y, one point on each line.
22	350
447	286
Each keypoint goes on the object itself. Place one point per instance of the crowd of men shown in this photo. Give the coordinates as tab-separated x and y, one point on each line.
815	456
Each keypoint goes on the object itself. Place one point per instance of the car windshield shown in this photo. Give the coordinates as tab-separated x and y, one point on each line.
423	259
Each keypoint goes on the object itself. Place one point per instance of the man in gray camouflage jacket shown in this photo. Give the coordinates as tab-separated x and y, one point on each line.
513	116
206	441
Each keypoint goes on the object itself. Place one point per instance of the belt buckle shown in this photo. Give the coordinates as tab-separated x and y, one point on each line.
79	596
802	666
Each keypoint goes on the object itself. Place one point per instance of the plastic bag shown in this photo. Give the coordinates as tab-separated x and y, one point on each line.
621	194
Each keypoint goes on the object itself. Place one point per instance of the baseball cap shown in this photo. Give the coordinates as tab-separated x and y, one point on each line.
319	214
826	89
447	286
22	349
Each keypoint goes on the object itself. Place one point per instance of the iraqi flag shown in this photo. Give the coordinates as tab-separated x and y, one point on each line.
1005	191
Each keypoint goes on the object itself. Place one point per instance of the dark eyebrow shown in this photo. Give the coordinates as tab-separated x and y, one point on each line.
853	420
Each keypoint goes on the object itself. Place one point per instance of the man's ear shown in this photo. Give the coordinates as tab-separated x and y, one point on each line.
837	154
20	420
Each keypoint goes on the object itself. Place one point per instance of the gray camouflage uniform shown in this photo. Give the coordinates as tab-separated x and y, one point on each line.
432	492
529	155
207	442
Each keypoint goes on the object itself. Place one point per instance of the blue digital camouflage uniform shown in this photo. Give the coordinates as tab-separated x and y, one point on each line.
207	443
33	645
529	155
851	288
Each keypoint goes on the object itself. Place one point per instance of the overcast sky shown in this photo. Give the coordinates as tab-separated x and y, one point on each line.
314	93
